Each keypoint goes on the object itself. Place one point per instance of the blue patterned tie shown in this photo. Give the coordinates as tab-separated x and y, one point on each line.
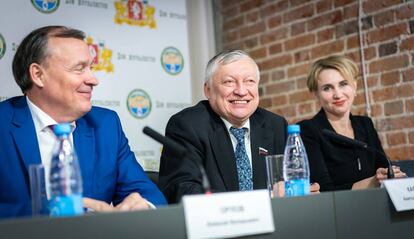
244	170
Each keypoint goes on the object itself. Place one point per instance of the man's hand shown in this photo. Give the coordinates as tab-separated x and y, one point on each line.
134	201
314	188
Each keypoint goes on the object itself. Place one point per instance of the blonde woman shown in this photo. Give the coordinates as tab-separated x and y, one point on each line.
334	165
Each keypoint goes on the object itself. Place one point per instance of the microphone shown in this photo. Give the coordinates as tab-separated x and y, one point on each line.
179	151
359	144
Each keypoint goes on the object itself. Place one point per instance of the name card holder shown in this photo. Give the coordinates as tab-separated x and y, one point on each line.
232	214
401	192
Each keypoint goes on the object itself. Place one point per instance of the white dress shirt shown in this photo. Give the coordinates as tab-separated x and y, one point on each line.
45	137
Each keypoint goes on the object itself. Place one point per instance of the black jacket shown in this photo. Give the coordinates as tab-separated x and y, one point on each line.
204	135
336	166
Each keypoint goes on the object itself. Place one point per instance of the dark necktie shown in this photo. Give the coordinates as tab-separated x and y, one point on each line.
244	170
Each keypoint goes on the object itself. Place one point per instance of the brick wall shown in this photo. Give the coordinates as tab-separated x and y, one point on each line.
286	36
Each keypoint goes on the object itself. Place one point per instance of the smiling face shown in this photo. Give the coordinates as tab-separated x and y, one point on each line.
233	91
64	82
335	94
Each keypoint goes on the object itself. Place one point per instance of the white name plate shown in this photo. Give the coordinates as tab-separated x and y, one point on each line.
232	214
401	192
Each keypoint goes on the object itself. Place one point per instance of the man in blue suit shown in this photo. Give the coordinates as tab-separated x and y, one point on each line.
52	66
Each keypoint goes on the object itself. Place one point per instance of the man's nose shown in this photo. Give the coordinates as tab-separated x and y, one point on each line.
240	89
90	78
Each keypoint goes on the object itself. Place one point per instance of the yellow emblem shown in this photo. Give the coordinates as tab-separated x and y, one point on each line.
135	13
101	56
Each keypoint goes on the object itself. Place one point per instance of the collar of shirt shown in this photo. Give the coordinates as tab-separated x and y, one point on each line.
246	137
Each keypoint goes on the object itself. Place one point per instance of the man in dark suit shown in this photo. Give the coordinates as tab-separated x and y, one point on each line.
52	66
223	134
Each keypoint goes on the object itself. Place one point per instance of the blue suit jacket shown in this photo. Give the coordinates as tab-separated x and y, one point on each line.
109	169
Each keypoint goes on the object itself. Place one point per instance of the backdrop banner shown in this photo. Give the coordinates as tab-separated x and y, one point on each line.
140	50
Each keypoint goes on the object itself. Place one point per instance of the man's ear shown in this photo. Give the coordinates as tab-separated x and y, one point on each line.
36	72
207	89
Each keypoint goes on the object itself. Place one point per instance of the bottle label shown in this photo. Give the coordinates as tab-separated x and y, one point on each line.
297	187
71	205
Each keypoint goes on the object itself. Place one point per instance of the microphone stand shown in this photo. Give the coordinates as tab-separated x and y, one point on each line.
179	151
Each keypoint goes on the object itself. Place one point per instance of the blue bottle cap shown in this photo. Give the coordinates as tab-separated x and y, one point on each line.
61	129
293	128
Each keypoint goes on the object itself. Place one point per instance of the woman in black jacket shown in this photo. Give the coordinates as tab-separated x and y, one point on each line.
333	164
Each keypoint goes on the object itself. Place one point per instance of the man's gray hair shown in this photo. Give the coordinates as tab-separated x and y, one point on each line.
224	58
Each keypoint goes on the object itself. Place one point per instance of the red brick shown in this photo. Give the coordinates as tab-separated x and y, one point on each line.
400	153
234	45
251	4
376	5
228	3
278	75
408	75
396	138
301	83
300	96
395	123
279	87
233	23
275	48
390	78
325	35
286	111
327	19
327	49
405	90
340	3
230	12
389	63
323	6
351	11
394	108
387	49
278	34
279	100
297	28
305	108
298	70
265	102
253	29
250	43
299	13
409	106
346	28
264	78
295	3
407	44
258	53
252	17
302	55
376	110
299	42
230	36
275	8
386	33
411	137
384	94
274	21
406	11
275	62
352	42
384	18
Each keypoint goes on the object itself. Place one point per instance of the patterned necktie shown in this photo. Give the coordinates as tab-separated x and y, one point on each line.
244	170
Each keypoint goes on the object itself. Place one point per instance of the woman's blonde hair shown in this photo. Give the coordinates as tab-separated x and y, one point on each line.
348	69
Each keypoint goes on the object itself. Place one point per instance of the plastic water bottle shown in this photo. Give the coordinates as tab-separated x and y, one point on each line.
65	176
295	164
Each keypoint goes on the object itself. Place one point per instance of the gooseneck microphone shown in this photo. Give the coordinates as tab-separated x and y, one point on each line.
359	144
179	151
